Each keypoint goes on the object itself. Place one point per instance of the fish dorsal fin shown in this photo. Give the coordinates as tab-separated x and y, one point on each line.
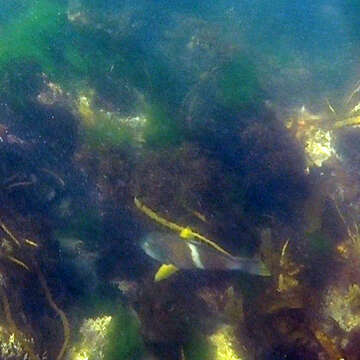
165	271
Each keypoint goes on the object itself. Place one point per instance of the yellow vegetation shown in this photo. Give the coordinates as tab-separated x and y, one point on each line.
64	320
93	339
343	307
6	306
84	107
329	345
225	344
184	231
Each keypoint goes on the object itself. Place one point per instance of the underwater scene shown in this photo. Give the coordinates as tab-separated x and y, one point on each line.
179	180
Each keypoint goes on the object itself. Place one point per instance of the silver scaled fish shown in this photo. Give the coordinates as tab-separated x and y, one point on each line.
177	253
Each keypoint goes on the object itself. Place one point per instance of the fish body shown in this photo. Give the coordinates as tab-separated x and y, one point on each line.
170	248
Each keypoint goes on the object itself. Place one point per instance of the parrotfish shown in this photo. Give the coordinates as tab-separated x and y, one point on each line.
177	253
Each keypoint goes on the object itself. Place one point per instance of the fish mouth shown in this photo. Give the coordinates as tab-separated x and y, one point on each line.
146	247
149	249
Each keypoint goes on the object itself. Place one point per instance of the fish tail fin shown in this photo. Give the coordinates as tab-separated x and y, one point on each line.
252	266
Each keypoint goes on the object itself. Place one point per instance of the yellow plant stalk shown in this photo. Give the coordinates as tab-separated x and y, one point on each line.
14	329
184	232
7	231
350	121
64	320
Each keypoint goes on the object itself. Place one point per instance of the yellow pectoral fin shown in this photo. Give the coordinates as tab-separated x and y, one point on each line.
165	271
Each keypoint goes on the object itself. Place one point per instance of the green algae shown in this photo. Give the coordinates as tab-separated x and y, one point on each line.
108	132
93	54
30	45
124	340
320	244
320	257
42	35
239	87
19	81
42	40
33	35
84	224
199	348
162	128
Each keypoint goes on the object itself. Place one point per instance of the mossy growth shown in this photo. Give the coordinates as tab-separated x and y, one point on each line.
31	44
33	35
103	129
108	131
123	339
161	128
19	81
199	348
103	300
41	34
238	85
320	257
108	337
93	54
319	244
84	223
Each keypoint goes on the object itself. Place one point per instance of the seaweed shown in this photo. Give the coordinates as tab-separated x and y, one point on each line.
124	340
239	87
33	35
199	348
162	128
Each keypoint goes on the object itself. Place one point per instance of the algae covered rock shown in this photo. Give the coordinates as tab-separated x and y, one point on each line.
238	85
11	348
104	129
226	344
124	339
109	338
93	333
